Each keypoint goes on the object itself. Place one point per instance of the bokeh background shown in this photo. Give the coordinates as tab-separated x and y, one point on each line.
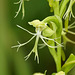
12	62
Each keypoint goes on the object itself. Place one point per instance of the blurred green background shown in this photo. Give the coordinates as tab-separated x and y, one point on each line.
12	62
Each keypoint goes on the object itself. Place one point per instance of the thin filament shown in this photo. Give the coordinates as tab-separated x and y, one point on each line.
51	39
47	44
19	9
26	57
23	43
70	26
26	30
41	46
17	2
71	32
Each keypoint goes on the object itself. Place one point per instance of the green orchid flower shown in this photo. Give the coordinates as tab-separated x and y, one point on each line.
39	28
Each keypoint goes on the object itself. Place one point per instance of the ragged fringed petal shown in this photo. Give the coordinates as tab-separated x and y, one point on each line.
71	25
34	50
69	10
21	5
66	39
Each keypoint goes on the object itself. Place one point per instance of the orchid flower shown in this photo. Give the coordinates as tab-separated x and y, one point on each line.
39	27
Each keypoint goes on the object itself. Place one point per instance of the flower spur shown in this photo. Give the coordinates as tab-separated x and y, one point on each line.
40	26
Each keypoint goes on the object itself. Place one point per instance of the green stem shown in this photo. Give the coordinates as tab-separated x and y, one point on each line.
58	23
23	12
58	64
56	7
66	24
58	54
52	51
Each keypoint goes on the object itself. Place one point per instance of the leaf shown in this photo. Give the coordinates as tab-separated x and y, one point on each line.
69	64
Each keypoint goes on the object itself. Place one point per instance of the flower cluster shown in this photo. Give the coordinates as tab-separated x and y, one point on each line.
50	30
